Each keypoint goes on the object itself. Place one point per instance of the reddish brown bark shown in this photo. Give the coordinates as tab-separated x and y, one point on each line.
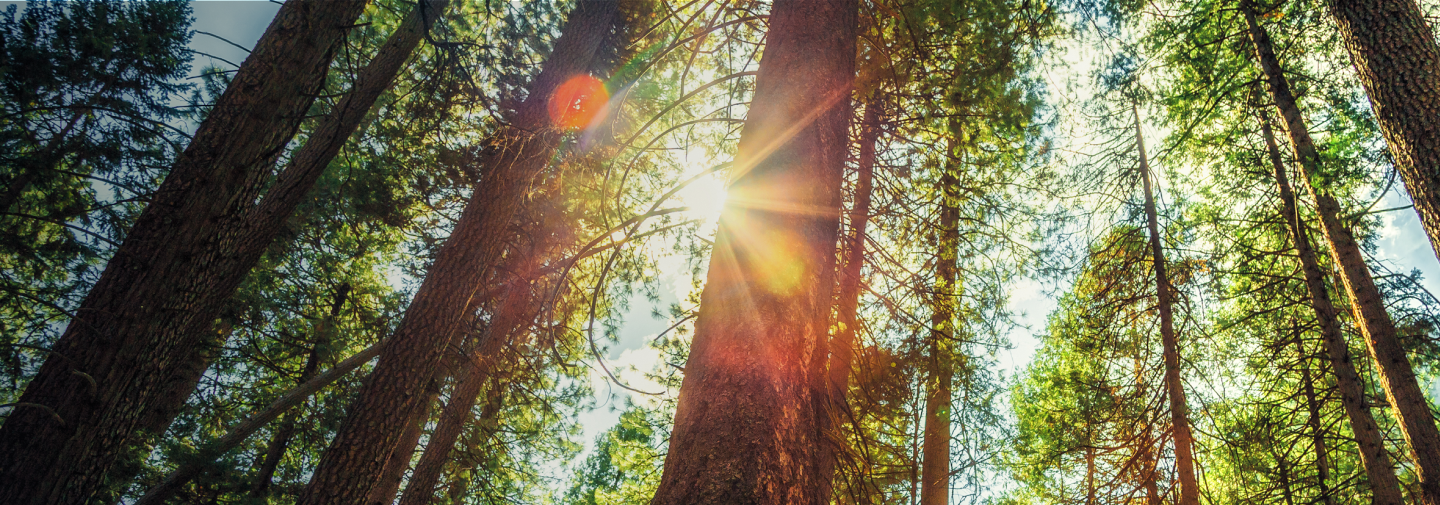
1174	386
1396	375
350	466
1383	483
114	362
399	460
1398	62
746	426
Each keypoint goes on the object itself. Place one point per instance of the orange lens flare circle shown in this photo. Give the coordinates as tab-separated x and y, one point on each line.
577	101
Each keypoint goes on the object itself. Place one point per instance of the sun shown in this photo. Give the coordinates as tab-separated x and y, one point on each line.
705	197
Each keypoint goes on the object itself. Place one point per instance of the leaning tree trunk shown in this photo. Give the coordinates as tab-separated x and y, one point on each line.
1396	375
506	325
1398	62
842	345
107	370
746	425
935	469
1383	483
1317	430
350	466
399	459
1174	387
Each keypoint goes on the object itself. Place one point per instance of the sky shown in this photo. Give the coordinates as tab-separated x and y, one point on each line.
222	25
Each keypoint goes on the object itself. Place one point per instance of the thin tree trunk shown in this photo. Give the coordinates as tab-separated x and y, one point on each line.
1383	483
1287	492
746	427
1398	62
1396	375
350	466
153	308
842	346
935	471
180	476
1174	387
1146	458
275	450
1317	431
399	460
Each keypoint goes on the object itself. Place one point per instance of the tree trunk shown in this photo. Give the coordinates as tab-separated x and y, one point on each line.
1174	388
131	328
1317	431
935	471
1383	483
1398	62
350	466
399	460
275	450
180	476
1146	458
1396	376
505	327
746	425
842	346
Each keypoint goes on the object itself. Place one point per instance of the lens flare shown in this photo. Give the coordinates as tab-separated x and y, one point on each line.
577	101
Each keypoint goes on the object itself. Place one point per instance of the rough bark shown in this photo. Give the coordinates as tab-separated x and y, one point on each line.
132	327
182	475
1396	375
842	345
506	326
1383	483
399	460
351	465
1398	62
1164	304
746	422
935	469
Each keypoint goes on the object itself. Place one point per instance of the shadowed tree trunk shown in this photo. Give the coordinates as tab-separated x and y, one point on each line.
1383	483
350	467
1398	62
399	460
746	425
935	469
1396	375
1174	387
115	360
842	346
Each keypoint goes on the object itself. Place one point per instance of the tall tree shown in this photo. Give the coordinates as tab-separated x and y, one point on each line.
133	339
941	363
1164	301
519	152
1383	483
1393	48
1397	376
746	426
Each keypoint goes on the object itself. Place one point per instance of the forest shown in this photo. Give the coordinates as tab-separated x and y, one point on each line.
705	252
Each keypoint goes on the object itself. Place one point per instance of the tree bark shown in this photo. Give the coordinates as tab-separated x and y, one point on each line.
746	424
350	466
1174	387
1396	375
842	346
399	460
935	469
1398	62
131	328
1383	482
